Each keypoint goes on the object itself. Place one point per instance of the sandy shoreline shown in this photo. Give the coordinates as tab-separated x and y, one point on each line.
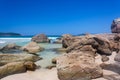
39	74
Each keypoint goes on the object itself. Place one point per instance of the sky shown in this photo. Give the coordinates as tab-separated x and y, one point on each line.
56	17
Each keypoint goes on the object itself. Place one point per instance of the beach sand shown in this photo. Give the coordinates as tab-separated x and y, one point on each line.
39	74
46	74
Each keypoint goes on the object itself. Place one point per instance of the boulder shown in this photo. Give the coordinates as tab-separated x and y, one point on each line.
32	47
15	67
54	60
81	43
40	38
103	46
117	37
8	58
78	66
11	48
66	40
115	27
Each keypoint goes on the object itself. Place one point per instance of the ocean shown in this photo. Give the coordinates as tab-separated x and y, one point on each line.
48	54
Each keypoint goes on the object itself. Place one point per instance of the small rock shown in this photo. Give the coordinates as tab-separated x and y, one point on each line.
54	60
104	58
50	66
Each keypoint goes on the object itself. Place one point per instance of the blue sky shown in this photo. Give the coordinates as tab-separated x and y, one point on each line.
58	16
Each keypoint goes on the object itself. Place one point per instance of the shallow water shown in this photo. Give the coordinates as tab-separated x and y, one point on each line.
48	54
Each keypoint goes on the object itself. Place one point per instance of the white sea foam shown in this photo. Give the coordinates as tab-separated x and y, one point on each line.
53	37
14	38
20	40
27	38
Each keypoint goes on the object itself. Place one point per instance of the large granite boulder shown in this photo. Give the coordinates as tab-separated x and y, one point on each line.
11	48
40	38
8	58
115	27
16	67
32	47
78	66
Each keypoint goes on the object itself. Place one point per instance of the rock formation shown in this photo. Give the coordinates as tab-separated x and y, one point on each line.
79	62
78	66
11	48
115	27
32	47
66	40
16	67
40	38
8	58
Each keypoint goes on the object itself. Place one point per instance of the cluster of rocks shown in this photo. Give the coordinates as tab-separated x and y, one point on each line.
79	61
21	61
31	47
16	63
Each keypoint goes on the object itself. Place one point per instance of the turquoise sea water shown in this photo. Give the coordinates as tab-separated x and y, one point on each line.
48	54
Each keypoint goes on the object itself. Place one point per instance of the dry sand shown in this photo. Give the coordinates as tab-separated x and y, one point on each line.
112	73
40	74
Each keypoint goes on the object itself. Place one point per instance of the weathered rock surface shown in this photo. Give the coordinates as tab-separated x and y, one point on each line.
32	47
102	45
105	58
79	63
115	27
66	40
78	66
16	67
30	65
40	38
10	48
8	58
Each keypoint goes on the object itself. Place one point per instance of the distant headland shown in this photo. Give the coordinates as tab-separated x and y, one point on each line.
9	34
